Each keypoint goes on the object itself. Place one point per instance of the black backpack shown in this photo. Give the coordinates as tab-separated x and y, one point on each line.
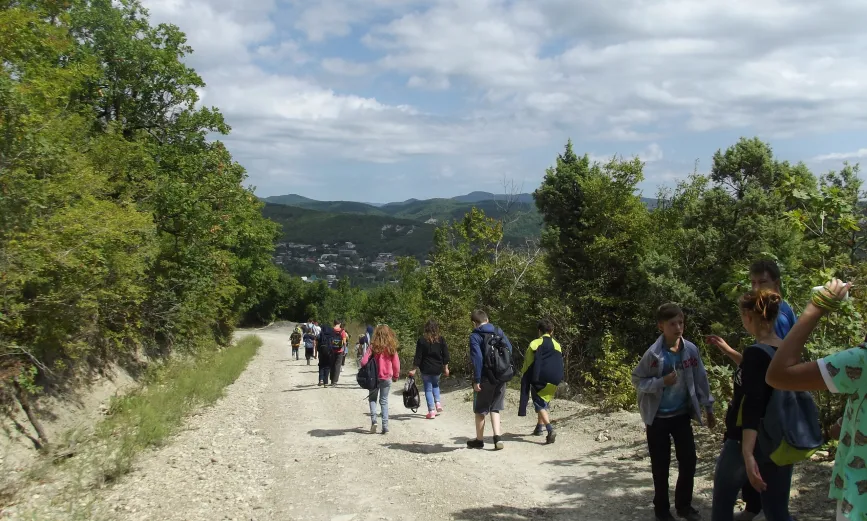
368	374
336	341
411	399
497	364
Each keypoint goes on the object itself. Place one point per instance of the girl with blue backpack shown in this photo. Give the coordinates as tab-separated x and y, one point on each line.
741	460
841	373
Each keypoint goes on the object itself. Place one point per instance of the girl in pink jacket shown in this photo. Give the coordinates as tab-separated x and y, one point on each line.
383	346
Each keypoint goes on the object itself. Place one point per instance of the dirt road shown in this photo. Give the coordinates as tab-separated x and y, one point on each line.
278	447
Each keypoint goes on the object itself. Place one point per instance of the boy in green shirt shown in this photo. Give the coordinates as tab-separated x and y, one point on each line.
542	373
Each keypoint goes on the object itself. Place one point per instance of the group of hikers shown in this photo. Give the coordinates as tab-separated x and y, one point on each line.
770	424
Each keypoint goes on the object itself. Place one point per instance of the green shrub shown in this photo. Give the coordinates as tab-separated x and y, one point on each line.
611	376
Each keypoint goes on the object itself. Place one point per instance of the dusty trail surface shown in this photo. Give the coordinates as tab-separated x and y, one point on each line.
278	447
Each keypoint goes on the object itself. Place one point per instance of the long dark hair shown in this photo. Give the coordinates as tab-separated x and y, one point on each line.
432	331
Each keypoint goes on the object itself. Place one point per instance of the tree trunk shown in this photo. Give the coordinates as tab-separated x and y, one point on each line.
21	395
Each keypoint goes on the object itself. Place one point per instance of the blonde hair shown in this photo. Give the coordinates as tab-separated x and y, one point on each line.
384	341
763	304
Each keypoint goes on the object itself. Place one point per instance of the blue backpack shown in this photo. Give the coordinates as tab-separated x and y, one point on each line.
790	430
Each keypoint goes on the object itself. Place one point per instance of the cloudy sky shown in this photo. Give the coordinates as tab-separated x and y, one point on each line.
383	100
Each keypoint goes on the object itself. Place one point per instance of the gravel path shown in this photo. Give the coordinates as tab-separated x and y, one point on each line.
278	447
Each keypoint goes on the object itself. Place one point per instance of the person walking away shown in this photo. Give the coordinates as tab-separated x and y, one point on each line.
383	348
309	344
542	373
489	397
323	352
740	462
840	373
346	339
764	274
295	341
335	338
432	359
672	390
363	345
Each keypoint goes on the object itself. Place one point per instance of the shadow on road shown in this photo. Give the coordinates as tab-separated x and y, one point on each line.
402	417
524	438
330	433
301	388
421	448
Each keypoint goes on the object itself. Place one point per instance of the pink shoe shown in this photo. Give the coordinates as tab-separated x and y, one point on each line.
439	407
431	415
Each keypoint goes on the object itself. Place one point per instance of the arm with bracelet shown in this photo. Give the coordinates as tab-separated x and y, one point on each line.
786	371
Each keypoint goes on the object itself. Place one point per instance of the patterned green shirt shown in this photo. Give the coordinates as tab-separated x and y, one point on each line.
843	373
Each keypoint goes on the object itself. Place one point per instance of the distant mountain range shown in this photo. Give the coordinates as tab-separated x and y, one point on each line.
413	206
309	221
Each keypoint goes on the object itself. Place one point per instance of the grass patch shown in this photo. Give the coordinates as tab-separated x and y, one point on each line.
147	417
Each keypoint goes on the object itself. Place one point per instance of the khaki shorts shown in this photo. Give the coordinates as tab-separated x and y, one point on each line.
492	398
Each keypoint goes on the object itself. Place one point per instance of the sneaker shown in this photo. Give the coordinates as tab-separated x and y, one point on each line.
538	431
439	407
321	383
551	438
373	428
746	515
384	430
498	445
665	516
689	513
431	415
476	444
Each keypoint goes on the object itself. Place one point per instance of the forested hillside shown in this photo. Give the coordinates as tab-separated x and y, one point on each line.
372	234
123	229
522	221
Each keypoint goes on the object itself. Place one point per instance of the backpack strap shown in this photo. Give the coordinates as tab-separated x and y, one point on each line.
770	351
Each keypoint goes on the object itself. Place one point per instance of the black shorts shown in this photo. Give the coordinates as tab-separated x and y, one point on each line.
492	398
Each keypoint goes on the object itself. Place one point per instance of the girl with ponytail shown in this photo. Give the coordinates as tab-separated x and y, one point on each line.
841	373
740	462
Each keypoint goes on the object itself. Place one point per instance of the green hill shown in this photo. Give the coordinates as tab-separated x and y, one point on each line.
386	229
290	199
372	234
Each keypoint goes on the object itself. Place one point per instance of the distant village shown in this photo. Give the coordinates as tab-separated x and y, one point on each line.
329	261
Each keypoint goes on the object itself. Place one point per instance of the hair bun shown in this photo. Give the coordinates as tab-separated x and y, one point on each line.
768	304
764	302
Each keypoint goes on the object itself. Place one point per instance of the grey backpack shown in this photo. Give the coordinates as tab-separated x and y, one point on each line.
790	430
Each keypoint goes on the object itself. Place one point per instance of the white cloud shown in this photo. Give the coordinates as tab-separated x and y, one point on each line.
861	153
347	68
287	50
440	83
650	154
766	64
474	84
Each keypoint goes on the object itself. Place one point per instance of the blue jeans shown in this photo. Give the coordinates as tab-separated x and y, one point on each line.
731	475
431	390
383	387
